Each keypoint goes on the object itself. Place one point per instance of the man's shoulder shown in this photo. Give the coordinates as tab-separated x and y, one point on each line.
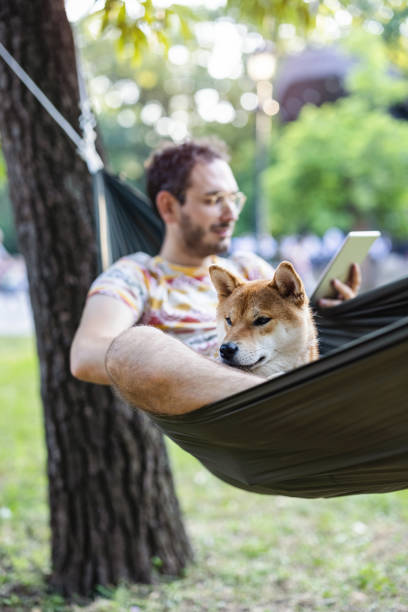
130	269
126	279
139	261
141	258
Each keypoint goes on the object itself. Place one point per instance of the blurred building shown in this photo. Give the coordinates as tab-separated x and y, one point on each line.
316	76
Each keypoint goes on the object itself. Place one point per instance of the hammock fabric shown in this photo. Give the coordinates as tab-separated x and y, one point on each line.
338	426
335	427
131	223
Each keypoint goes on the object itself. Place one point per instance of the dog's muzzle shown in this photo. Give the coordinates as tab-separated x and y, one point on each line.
228	351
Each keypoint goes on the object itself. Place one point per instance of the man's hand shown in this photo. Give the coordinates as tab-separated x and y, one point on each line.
345	291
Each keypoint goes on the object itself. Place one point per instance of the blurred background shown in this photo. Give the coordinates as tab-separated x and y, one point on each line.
311	97
315	120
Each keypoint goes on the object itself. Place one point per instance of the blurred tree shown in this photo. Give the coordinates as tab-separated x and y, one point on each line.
345	163
113	510
143	32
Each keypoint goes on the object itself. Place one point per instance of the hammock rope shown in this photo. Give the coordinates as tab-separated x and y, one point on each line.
85	145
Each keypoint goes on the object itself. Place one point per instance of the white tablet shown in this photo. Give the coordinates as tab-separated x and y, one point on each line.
353	250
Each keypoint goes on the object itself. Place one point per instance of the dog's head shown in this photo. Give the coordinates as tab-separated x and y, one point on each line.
262	325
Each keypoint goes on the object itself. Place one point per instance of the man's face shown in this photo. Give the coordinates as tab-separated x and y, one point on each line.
206	229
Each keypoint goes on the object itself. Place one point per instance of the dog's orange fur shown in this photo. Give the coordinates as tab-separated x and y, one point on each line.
287	340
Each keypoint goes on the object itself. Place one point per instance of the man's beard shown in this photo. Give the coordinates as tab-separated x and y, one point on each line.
193	238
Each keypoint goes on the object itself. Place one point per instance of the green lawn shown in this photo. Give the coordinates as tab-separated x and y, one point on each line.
253	553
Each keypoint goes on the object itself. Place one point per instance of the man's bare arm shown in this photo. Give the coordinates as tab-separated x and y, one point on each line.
103	319
159	374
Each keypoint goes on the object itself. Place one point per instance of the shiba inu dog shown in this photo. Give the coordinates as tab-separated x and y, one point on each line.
264	326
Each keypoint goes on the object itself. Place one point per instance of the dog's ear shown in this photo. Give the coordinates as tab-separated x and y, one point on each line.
289	284
223	281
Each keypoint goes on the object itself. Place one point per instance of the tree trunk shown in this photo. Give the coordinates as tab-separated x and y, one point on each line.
112	500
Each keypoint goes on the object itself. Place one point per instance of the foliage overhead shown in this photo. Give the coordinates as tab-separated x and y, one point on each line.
342	165
142	31
146	22
267	16
372	77
143	24
345	163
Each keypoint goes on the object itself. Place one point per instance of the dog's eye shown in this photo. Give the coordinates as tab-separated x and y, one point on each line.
262	320
228	320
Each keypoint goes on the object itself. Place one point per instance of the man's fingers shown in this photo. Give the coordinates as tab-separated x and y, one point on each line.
326	302
344	291
349	290
354	277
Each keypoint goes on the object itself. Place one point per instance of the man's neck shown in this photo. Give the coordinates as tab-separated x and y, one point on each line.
180	257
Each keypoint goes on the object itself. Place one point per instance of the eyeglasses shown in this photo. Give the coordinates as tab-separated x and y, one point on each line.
222	199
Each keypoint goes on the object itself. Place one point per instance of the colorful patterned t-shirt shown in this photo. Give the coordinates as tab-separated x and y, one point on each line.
177	299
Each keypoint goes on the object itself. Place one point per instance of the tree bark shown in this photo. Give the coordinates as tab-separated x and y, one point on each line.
112	502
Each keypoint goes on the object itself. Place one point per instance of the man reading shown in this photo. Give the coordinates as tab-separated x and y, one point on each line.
149	323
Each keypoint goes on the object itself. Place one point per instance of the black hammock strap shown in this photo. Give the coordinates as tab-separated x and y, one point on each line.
338	426
126	222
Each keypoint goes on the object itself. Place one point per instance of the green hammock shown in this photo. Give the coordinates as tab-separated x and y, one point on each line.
337	426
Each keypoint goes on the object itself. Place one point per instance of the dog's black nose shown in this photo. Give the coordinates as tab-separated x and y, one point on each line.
228	350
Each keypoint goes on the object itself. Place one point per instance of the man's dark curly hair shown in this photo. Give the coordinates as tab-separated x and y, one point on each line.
170	167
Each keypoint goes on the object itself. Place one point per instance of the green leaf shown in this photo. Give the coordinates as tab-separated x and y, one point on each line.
150	15
157	562
185	29
121	17
163	40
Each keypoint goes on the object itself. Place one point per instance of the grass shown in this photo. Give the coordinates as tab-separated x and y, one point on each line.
253	553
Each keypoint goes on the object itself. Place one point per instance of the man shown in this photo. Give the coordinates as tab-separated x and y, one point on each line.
195	193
